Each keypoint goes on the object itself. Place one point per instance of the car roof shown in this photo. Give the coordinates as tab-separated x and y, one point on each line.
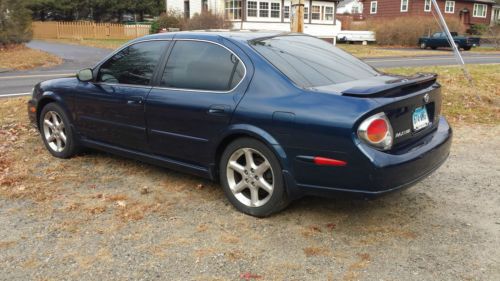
240	35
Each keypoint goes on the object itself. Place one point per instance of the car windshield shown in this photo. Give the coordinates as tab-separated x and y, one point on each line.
312	62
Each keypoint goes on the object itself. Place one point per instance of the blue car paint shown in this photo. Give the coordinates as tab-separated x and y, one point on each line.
292	121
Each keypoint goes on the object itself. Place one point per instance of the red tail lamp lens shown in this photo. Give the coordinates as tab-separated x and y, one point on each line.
377	130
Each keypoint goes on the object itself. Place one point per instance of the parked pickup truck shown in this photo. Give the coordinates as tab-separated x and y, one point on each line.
439	39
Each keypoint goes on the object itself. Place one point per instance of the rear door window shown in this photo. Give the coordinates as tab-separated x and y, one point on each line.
312	62
133	65
199	65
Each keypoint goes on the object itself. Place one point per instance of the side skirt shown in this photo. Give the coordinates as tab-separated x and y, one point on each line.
149	158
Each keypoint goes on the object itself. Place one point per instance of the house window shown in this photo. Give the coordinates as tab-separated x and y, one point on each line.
404	5
275	10
186	9
329	13
316	12
286	12
263	9
306	13
373	7
480	10
252	9
449	7
427	6
233	9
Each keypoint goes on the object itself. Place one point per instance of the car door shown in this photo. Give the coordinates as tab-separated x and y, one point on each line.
194	99
111	109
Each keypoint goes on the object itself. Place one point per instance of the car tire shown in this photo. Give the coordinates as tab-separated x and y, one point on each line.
252	178
56	131
467	48
423	46
434	48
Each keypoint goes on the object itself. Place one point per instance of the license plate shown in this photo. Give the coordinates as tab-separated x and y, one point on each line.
420	118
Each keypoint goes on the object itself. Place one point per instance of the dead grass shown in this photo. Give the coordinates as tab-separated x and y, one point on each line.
377	51
23	58
460	103
96	43
316	251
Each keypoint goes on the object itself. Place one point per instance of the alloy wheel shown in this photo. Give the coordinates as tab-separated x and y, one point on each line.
250	177
54	131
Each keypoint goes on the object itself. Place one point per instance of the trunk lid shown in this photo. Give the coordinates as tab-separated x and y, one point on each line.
401	98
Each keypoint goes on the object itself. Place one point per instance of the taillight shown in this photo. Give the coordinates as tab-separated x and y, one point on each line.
376	131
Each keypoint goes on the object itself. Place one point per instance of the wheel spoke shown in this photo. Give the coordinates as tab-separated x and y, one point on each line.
262	168
59	144
51	138
249	158
254	194
55	121
239	187
265	185
48	123
236	167
63	137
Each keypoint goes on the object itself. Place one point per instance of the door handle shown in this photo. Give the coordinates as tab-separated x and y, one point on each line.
135	100
218	109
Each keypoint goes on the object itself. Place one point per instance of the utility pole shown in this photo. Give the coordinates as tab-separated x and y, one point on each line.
454	47
297	17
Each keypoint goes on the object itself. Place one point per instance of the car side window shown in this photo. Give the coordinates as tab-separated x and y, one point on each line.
133	65
200	65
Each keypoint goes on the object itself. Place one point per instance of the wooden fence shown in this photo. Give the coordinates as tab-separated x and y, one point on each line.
87	30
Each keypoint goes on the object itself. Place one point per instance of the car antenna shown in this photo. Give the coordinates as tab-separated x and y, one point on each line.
444	27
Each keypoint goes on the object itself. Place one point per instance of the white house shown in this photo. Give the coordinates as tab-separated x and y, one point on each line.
319	16
350	7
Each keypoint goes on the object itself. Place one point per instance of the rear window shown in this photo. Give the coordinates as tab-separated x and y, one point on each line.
312	62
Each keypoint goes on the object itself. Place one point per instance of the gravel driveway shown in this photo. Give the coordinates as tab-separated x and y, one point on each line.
101	217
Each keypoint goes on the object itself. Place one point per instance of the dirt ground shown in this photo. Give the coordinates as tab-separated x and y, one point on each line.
102	217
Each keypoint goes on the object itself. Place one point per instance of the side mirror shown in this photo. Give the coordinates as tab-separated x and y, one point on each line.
85	75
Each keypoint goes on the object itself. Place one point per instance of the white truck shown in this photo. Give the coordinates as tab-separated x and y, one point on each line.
351	36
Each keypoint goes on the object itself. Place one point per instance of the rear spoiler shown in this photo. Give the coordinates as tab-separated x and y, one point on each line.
393	88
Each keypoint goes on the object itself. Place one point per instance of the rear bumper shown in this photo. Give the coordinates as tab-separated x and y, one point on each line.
385	172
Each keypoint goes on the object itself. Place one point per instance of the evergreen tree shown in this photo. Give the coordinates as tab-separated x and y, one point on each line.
15	22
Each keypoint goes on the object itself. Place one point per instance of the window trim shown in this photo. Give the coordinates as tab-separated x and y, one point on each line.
425	6
372	6
452	6
164	66
485	10
407	6
98	66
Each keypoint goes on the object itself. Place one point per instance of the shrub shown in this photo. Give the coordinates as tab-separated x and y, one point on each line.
478	29
171	19
405	31
15	22
206	20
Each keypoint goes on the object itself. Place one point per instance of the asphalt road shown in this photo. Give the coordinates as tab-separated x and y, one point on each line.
77	57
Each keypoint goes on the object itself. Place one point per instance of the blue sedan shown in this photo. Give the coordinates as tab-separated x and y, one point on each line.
272	116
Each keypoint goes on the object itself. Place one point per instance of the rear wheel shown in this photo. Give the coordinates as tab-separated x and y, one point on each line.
467	48
251	177
434	48
56	132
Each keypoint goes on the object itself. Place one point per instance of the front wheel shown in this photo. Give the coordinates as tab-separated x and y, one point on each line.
467	48
252	179
423	46
56	131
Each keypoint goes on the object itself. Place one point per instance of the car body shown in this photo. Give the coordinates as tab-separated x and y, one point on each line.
289	104
439	39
